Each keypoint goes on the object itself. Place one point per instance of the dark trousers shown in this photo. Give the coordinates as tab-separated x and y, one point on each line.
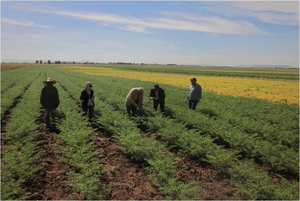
131	110
193	104
161	103
47	114
90	109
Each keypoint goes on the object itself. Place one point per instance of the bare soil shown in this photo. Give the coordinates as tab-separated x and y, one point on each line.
49	183
127	180
213	185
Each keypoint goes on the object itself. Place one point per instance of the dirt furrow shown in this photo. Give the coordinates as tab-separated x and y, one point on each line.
49	183
127	180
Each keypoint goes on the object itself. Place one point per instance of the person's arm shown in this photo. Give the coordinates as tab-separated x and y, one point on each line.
141	99
199	93
187	98
57	99
152	95
42	98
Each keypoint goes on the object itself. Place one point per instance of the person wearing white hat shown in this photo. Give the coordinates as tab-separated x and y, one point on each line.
49	99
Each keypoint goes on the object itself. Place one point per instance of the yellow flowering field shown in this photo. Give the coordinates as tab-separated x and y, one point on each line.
268	89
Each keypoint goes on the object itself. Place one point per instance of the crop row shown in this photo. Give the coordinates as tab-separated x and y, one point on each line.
78	149
159	164
21	147
287	74
13	85
263	193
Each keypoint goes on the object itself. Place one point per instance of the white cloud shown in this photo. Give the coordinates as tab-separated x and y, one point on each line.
275	12
173	21
37	36
24	23
138	29
279	6
275	18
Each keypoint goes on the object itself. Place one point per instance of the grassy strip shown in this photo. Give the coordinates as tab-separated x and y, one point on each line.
289	74
13	77
79	149
22	147
16	87
160	165
277	157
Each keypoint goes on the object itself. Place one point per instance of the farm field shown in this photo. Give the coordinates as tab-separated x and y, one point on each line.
228	81
242	142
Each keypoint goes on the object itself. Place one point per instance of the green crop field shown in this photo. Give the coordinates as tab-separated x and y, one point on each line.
232	148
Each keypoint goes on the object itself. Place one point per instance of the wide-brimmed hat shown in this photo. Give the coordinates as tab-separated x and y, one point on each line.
49	81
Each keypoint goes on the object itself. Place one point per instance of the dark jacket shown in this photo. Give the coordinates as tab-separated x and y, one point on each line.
85	97
161	94
49	97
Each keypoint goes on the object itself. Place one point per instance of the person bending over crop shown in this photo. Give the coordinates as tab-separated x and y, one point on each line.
157	94
87	99
49	99
134	100
194	95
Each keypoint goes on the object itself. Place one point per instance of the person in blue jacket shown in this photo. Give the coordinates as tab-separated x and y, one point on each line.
194	95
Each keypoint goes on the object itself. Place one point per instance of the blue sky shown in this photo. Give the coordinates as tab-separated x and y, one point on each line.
195	32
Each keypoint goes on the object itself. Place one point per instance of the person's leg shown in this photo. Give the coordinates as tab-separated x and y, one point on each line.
53	114
47	114
162	105
84	110
155	104
133	108
128	109
190	104
91	110
194	104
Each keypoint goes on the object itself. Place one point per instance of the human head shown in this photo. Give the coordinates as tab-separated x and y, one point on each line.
156	86
49	81
193	80
88	85
140	90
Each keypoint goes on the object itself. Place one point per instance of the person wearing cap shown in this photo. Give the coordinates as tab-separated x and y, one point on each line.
49	99
134	100
194	95
157	94
87	99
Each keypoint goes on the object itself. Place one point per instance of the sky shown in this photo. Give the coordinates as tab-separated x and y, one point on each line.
179	32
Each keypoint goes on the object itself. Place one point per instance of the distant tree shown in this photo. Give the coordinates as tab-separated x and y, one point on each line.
49	62
37	61
73	62
41	61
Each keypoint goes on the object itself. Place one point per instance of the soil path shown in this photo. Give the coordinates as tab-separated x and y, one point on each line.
213	186
49	183
128	181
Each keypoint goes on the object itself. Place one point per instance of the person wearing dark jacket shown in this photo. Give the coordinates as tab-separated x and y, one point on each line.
49	99
87	99
157	94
